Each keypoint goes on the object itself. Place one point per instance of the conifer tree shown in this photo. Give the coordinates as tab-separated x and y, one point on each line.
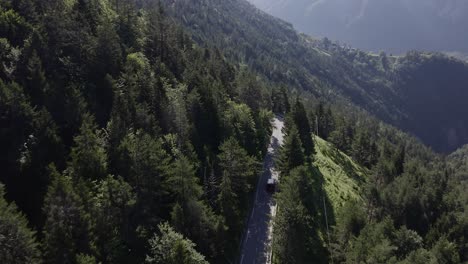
170	247
293	230
237	170
342	136
88	156
302	123
36	83
291	154
192	216
144	164
399	160
114	203
18	244
324	120
239	123
67	229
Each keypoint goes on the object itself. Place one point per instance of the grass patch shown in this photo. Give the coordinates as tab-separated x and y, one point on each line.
343	177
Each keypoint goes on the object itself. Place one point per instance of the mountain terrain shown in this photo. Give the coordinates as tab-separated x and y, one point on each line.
132	131
416	92
392	26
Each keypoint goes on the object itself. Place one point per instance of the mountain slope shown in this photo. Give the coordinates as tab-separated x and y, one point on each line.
388	87
343	177
393	26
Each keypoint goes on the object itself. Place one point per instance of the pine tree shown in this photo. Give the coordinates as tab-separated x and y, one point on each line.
114	203
342	136
67	229
302	123
364	150
280	101
295	239
399	160
291	154
170	247
250	91
228	204
88	156
237	170
18	244
183	183
192	216
144	164
36	83
239	123
285	99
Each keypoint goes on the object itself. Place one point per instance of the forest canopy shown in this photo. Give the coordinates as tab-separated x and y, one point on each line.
132	133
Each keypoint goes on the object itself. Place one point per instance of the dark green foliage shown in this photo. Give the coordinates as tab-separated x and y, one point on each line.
342	136
363	150
144	164
400	160
118	88
295	236
190	215
445	252
324	121
29	136
13	26
250	91
114	204
88	155
240	124
303	126
67	228
35	84
237	172
172	248
291	154
280	100
115	87
17	242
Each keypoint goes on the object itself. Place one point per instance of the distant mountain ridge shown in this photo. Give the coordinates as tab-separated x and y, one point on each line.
395	26
421	93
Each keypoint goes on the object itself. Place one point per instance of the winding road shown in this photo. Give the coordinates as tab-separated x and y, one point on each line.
256	245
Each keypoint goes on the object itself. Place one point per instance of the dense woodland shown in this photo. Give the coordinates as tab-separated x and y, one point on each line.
132	133
121	138
421	93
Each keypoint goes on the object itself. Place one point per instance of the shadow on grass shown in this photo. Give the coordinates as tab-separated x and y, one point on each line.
322	212
344	162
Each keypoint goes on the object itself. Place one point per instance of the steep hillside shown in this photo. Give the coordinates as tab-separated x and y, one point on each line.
383	85
394	26
344	178
123	140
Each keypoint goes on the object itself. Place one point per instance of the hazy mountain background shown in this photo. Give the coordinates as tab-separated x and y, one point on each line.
132	131
395	26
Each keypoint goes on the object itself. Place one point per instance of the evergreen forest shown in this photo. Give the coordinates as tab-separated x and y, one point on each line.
134	131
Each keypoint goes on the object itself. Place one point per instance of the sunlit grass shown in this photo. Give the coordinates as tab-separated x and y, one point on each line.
343	177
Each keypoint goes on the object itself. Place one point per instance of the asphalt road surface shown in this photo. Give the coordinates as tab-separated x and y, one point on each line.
256	245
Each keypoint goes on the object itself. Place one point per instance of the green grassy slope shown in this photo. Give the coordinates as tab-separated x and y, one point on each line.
343	178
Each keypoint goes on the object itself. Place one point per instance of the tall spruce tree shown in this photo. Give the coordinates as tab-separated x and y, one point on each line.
237	171
291	154
303	126
17	242
294	237
170	247
67	229
88	156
